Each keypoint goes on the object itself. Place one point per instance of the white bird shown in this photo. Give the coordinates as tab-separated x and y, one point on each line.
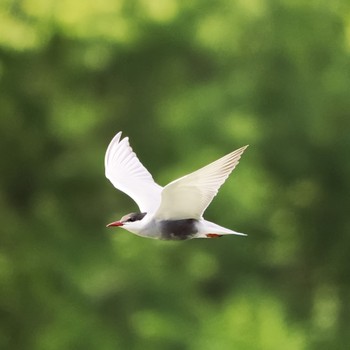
173	212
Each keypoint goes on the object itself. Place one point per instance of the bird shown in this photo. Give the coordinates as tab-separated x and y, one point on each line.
172	212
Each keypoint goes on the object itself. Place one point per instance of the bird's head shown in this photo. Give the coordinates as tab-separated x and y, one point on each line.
128	220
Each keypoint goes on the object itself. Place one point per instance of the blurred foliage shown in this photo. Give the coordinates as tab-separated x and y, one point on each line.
188	82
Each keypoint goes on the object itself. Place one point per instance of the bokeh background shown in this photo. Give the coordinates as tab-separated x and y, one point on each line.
187	81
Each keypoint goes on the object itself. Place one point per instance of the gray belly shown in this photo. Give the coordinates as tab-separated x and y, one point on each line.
178	229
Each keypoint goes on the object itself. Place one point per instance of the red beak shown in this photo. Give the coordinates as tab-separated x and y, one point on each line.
115	223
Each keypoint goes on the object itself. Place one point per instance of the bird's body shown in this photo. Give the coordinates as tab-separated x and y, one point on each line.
174	212
177	230
167	229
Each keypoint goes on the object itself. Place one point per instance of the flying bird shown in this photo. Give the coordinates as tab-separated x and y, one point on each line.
173	212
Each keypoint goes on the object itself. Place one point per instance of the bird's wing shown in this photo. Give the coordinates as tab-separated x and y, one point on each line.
189	196
127	174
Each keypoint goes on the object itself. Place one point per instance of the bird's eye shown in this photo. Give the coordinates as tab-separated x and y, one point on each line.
131	220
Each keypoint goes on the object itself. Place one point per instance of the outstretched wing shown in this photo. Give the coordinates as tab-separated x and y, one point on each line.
189	196
128	175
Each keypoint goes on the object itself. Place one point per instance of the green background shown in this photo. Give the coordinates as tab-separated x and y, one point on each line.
187	81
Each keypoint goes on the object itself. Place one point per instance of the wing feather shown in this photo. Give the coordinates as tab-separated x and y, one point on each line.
189	196
127	174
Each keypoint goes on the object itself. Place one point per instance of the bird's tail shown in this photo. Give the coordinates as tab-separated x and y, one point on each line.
210	230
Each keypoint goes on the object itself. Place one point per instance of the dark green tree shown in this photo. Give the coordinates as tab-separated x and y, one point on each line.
188	82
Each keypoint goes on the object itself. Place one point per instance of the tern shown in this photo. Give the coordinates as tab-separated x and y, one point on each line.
173	212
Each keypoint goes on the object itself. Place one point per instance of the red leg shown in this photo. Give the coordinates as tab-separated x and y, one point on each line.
213	235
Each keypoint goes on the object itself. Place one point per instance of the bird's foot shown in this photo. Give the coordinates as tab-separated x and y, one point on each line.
213	235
